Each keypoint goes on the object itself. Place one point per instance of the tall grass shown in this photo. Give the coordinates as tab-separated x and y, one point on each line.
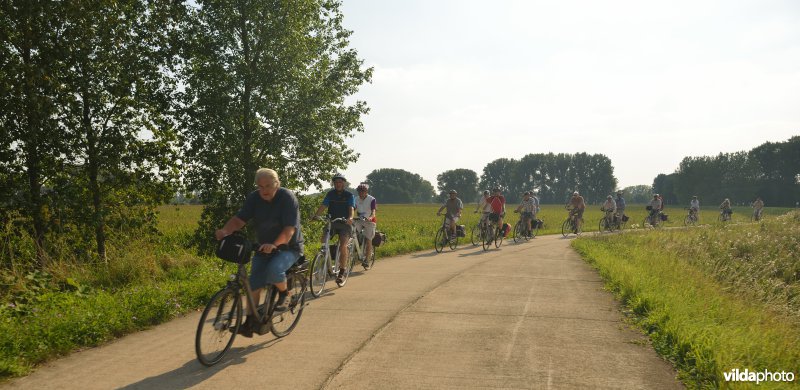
712	298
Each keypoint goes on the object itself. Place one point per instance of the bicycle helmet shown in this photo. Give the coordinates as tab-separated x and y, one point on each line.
363	187
452	192
486	192
575	193
338	175
609	197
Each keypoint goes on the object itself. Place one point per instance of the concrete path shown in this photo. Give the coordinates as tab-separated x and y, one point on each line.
530	315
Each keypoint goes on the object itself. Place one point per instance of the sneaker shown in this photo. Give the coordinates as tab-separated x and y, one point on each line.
365	264
246	329
340	278
281	305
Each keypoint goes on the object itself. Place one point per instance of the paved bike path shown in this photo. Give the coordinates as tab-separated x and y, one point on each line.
530	315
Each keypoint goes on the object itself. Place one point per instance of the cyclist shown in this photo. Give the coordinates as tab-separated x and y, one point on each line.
576	205
340	204
725	206
620	203
528	208
498	207
484	207
655	207
366	208
758	207
610	207
276	214
694	207
454	207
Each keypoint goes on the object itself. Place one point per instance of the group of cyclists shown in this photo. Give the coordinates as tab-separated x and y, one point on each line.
275	213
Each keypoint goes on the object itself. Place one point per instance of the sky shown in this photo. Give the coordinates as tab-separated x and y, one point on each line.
458	84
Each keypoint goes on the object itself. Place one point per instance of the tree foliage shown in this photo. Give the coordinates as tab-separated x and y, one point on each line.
390	185
266	86
553	176
769	171
637	194
464	181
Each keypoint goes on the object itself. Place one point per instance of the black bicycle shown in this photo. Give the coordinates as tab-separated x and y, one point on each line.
222	316
691	218
572	224
521	231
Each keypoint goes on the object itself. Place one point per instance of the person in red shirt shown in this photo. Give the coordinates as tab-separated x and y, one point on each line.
497	202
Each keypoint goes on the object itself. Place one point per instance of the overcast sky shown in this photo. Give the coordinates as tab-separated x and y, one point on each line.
458	84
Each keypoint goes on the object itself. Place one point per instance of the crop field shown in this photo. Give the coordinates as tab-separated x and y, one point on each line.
412	227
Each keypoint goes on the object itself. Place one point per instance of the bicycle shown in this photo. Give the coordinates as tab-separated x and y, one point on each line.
521	229
607	222
222	316
359	246
571	224
725	215
443	237
757	215
653	219
321	267
476	235
691	218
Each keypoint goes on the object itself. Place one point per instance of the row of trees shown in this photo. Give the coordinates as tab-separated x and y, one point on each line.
553	176
770	170
107	107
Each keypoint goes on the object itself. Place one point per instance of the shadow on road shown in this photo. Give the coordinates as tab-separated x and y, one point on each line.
193	373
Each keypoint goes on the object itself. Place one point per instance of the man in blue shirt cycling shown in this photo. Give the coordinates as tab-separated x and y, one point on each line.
340	204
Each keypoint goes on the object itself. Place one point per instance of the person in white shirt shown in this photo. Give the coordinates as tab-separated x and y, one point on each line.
366	208
484	207
694	207
528	208
610	207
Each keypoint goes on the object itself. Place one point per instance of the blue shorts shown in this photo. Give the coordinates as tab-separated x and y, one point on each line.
270	270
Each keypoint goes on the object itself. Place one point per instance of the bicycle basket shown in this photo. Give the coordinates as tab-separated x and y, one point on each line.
234	248
539	224
664	217
625	218
648	208
379	239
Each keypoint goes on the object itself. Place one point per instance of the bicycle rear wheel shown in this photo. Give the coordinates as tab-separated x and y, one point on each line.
534	229
518	232
372	258
218	326
282	323
499	235
318	274
439	242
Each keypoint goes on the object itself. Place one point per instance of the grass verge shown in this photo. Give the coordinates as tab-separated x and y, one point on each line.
704	299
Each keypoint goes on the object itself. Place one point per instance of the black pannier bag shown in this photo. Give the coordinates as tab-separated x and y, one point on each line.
461	230
649	208
539	224
234	248
664	217
625	218
379	239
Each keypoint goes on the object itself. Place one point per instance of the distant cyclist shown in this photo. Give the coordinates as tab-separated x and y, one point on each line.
610	207
694	207
498	205
758	207
620	203
454	207
577	205
655	207
366	207
484	207
528	209
340	204
725	206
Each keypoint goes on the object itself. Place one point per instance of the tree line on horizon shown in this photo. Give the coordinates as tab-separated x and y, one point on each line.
770	171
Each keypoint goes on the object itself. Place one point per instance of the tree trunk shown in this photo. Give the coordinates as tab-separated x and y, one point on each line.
92	156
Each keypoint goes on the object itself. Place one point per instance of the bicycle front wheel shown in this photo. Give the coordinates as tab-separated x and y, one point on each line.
282	323
566	228
487	237
498	237
475	235
517	232
319	274
372	258
218	326
439	241
454	242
